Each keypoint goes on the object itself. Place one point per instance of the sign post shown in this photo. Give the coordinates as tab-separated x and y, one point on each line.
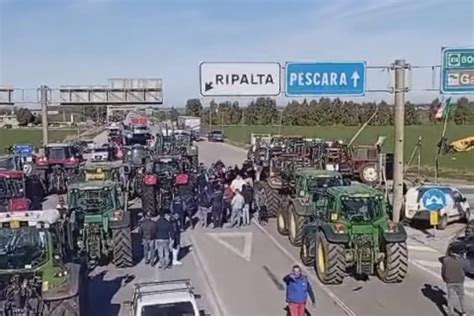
326	78
457	70
434	200
239	79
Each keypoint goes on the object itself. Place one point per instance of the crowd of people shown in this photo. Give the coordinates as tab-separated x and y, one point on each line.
224	197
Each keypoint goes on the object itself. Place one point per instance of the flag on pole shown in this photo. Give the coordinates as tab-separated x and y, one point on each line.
443	108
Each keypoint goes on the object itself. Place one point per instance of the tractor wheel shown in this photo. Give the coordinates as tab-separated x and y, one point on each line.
305	251
394	267
282	226
330	261
149	200
369	174
295	226
272	200
122	252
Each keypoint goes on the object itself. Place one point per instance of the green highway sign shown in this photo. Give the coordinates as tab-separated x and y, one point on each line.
457	70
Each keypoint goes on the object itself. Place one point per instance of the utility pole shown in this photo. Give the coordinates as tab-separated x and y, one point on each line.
400	66
222	121
44	112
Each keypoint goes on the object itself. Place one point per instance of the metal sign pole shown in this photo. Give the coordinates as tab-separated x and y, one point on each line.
44	113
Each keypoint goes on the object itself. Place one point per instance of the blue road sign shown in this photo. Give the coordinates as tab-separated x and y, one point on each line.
457	70
434	199
328	78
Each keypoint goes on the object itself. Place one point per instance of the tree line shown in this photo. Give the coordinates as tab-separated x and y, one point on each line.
322	112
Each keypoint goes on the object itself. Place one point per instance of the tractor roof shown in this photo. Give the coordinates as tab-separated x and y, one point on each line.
356	189
91	185
58	145
106	165
312	172
9	173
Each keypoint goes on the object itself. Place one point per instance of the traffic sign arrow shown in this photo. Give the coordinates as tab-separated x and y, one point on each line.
208	86
355	76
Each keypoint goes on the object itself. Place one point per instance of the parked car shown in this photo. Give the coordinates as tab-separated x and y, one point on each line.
216	136
457	207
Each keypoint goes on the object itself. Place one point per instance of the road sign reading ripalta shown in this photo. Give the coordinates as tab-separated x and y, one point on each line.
239	79
457	70
325	78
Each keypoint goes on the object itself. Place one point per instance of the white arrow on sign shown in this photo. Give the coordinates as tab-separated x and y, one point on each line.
355	76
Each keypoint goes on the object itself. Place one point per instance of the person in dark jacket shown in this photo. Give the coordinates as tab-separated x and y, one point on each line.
453	274
163	238
217	202
247	193
204	206
176	239
298	289
178	208
202	181
147	230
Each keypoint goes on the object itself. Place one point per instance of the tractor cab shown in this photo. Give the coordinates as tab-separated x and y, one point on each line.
33	275
9	162
137	155
65	155
101	171
13	191
310	181
114	134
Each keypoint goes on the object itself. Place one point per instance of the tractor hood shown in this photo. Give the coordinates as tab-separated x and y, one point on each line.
7	173
19	204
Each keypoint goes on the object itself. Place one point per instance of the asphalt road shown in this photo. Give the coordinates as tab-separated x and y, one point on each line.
239	271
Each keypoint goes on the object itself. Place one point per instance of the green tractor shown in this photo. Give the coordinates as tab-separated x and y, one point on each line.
34	278
298	186
98	224
348	229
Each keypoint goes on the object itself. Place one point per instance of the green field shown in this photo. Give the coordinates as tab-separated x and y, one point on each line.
33	136
461	163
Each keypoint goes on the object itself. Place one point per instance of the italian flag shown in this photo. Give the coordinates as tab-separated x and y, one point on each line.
443	108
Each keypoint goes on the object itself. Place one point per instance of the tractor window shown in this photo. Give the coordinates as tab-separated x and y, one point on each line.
58	153
7	163
321	205
22	248
323	182
94	199
360	208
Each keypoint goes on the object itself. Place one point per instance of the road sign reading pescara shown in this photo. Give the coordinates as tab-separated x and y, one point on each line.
325	78
457	70
239	79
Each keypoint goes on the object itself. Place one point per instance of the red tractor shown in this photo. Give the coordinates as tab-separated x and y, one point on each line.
13	191
59	164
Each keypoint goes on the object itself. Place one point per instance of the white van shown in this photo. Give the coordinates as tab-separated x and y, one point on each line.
457	207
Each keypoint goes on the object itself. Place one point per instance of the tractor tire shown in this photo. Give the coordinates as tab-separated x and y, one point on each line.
149	200
67	307
370	173
122	252
282	222
395	266
295	226
272	200
305	251
330	261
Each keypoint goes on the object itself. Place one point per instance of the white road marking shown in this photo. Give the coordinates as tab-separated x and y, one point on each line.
247	251
219	309
325	289
421	248
425	265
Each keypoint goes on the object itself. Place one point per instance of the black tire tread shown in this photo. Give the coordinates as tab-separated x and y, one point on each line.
336	263
122	251
307	260
149	200
272	199
299	220
396	267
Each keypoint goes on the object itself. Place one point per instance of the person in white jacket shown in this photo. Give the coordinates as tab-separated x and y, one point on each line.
237	183
237	204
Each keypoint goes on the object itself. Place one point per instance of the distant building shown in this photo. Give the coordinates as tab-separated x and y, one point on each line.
9	119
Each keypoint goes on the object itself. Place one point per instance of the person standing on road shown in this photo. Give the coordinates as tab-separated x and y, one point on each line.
176	239
453	273
178	208
259	204
237	204
227	199
164	235
217	207
147	231
204	206
237	183
298	289
247	193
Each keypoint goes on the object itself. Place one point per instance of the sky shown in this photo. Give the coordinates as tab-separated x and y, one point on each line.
86	42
